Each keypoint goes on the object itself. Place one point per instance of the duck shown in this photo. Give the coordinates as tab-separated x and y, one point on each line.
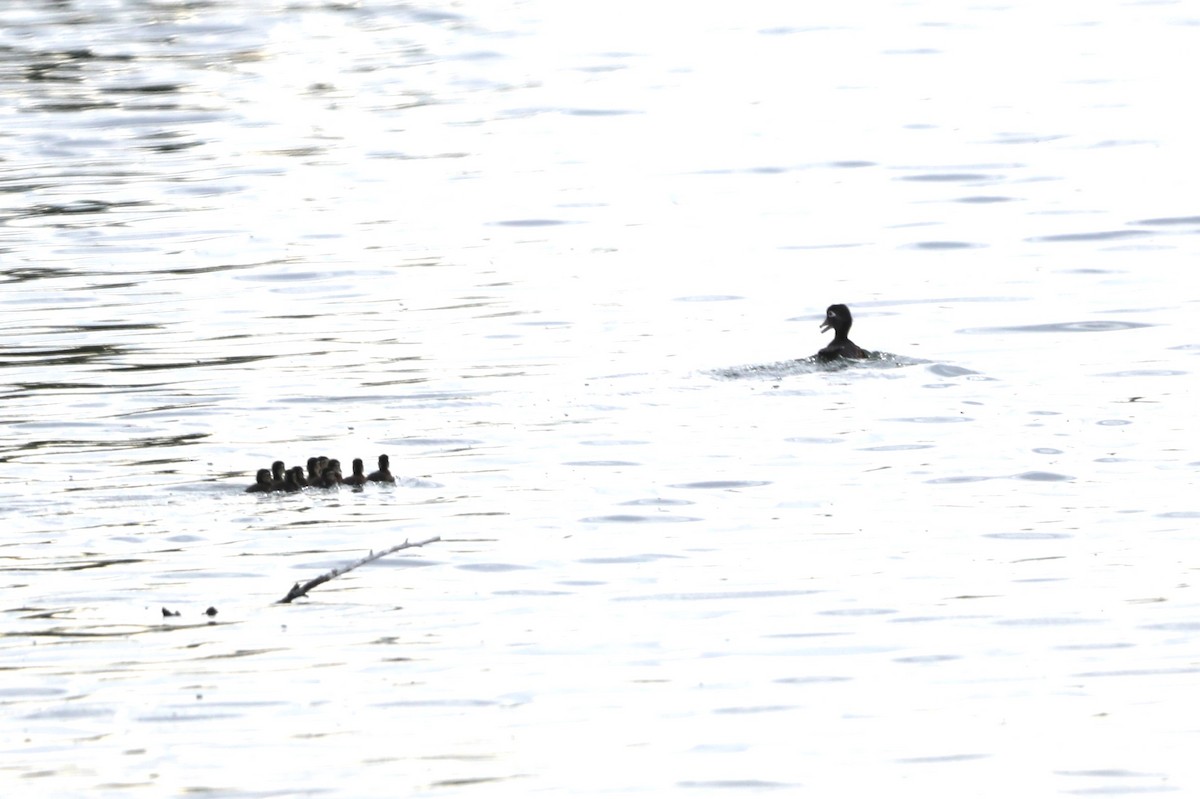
839	319
382	474
314	472
262	482
331	475
294	481
358	478
278	475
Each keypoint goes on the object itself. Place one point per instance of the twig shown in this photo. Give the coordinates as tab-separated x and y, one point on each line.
300	590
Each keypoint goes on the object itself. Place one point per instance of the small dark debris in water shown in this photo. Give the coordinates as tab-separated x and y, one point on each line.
210	612
169	613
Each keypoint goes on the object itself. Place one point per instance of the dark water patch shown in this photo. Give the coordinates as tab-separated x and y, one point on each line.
920	659
531	592
1043	477
1180	514
1047	451
723	484
1170	220
895	447
146	88
77	207
956	479
1174	626
821	679
30	692
659	501
229	360
106	446
945	245
1046	621
851	164
928	619
531	222
985	199
956	758
1113	422
493	567
1098	326
717	596
82	354
858	612
648	557
1097	647
614	442
632	518
1099	235
709	298
1027	138
601	463
69	712
946	370
1027	535
1144	373
933	419
1141	672
912	51
751	710
948	177
456	444
599	112
813	440
460	782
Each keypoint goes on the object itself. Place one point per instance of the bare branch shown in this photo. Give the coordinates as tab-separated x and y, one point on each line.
299	590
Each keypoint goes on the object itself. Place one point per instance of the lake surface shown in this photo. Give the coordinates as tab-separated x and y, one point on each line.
565	264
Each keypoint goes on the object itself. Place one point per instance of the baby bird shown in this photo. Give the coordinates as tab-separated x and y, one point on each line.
262	482
382	474
358	478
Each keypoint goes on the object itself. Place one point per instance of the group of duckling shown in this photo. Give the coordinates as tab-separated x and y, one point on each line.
327	472
322	472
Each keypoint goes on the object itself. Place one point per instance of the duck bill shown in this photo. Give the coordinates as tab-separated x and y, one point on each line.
826	325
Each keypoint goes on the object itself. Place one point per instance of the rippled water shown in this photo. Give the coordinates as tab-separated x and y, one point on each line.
566	264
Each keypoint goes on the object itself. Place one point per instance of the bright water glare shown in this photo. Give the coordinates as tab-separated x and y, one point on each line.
565	263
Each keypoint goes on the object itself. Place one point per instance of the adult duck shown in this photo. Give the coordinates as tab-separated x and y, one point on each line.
838	318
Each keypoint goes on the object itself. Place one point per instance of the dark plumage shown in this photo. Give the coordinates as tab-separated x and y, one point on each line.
294	481
262	482
277	475
331	475
839	319
382	474
358	478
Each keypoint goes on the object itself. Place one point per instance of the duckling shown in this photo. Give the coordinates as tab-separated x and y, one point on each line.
278	475
358	478
382	474
262	482
331	475
292	482
838	317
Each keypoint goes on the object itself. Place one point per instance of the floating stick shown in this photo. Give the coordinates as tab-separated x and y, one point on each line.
299	590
